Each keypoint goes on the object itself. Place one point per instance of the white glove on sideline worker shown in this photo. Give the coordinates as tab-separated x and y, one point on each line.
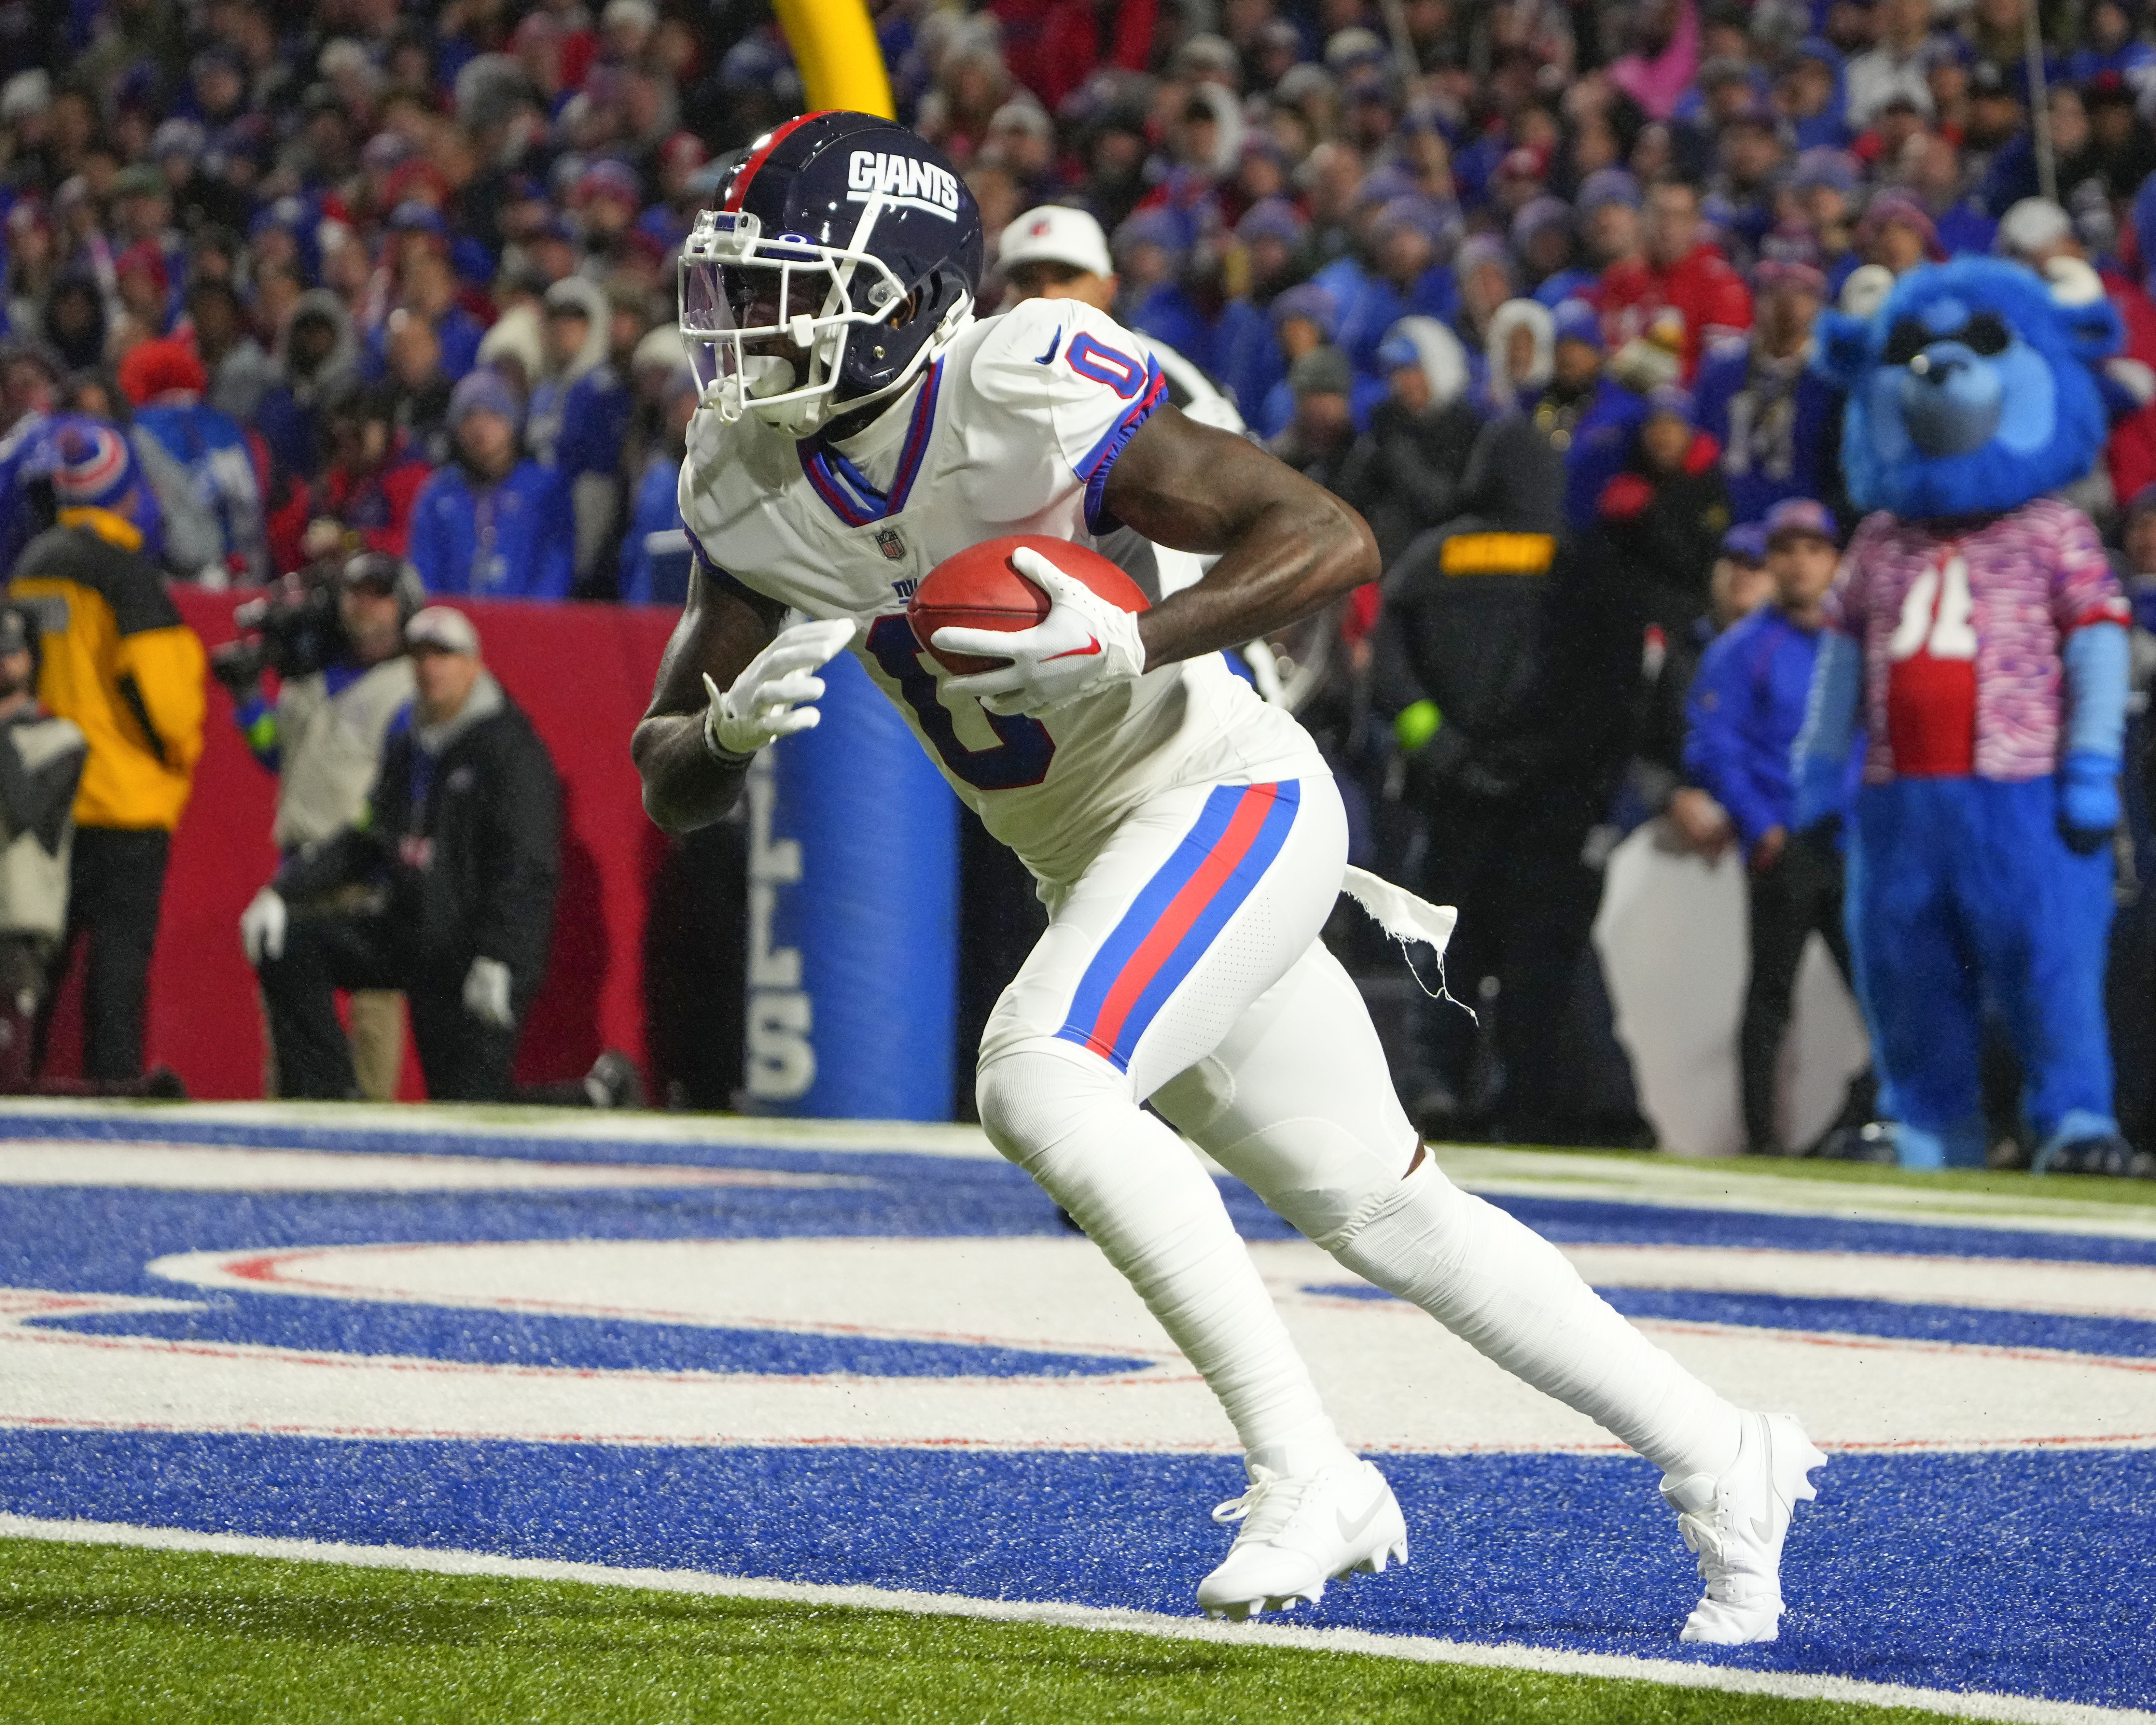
1083	645
486	993
262	926
766	700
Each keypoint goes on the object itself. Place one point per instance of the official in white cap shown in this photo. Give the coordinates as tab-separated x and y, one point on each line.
1058	253
444	889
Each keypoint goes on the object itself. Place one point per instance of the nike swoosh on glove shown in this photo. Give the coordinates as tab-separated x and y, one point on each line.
2088	800
769	699
1083	645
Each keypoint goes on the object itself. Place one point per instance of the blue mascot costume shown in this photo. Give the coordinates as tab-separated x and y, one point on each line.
1978	633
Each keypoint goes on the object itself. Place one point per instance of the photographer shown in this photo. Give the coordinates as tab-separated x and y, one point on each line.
445	887
41	759
336	640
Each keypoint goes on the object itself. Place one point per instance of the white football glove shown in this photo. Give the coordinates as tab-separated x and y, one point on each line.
1082	646
486	993
765	702
262	926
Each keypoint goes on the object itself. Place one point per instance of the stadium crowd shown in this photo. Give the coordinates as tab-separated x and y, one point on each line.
366	276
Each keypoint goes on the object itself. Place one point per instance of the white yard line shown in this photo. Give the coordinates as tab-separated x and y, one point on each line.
2023	1709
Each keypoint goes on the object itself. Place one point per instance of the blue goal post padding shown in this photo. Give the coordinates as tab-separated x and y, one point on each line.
853	961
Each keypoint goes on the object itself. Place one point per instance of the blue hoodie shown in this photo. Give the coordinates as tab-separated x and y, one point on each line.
1741	717
515	540
655	554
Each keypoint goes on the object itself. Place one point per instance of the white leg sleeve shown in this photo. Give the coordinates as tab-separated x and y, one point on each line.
1203	899
1296	1102
1066	1117
1499	1286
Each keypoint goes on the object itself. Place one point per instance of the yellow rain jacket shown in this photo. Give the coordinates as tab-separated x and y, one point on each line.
117	659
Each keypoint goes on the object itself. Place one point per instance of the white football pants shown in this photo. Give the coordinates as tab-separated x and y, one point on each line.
1184	967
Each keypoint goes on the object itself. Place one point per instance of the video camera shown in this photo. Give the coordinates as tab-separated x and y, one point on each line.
293	629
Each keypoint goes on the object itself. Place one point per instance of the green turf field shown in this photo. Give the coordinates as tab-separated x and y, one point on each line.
96	1633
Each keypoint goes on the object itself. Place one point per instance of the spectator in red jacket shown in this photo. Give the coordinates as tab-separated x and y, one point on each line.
368	486
1680	269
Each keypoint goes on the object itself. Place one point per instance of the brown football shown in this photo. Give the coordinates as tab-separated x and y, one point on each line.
978	588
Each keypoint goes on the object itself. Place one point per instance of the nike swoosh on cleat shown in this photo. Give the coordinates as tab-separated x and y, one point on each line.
1763	1530
1355	1530
1092	646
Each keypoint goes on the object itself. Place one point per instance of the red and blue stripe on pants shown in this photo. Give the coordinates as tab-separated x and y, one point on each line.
1177	916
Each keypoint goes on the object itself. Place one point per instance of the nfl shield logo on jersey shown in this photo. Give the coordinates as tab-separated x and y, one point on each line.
891	545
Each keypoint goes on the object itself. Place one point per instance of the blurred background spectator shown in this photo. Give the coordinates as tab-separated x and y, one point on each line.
1745	707
41	761
491	523
444	890
333	636
115	660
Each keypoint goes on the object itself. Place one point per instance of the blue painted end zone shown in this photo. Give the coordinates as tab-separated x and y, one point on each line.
1946	1572
930	1195
2026	1572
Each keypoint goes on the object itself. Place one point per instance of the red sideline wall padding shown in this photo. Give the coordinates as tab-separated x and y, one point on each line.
583	673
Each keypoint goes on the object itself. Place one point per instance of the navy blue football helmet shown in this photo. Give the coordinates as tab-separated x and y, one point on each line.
844	256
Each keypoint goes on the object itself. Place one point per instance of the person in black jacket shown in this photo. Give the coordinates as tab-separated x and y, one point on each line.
1663	516
445	888
1405	474
1482	617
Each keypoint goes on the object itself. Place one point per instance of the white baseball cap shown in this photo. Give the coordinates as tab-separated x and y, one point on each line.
443	628
1055	234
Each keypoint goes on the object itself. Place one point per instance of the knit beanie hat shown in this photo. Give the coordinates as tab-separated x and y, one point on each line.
92	467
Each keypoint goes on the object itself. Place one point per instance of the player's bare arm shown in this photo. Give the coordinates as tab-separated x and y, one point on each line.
721	630
1286	546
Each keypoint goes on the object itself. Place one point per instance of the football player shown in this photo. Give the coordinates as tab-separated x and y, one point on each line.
860	425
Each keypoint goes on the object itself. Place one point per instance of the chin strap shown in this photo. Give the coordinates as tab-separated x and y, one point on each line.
954	321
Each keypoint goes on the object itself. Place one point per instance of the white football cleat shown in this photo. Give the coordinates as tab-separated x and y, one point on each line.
1300	1531
1737	1523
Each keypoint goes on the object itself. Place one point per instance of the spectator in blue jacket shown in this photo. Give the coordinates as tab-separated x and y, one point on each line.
1777	421
1588	416
1812	96
654	555
1544	238
487	524
1303	320
1271	233
579	418
1745	707
1153	256
1406	280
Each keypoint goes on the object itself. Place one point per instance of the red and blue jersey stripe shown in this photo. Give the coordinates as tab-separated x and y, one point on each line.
847	490
1149	391
1177	915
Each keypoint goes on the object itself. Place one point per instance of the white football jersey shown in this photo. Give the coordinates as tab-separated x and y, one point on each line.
1012	430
